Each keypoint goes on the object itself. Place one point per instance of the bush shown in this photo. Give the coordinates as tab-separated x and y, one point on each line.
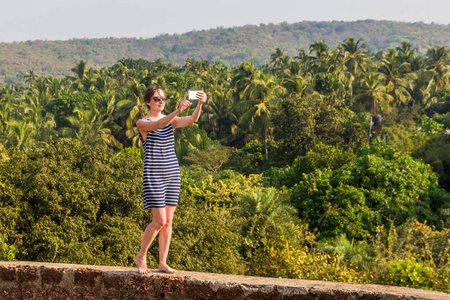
320	157
410	273
302	264
250	159
381	184
202	240
268	227
7	252
59	199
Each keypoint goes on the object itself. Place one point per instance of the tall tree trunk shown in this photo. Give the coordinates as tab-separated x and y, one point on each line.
266	151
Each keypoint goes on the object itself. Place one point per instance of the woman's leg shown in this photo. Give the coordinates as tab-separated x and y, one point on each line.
158	222
164	241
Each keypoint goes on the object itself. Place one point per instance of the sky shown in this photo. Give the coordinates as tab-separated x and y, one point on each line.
23	20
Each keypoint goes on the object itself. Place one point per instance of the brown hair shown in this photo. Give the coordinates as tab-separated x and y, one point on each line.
151	91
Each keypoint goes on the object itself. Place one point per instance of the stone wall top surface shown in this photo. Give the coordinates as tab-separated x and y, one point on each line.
95	279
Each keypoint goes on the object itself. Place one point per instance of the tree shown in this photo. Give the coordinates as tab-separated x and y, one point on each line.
80	71
380	185
395	76
355	58
132	109
302	123
20	134
373	93
90	127
260	96
438	61
72	203
268	227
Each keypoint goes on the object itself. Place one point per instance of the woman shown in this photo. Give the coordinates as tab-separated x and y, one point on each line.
161	180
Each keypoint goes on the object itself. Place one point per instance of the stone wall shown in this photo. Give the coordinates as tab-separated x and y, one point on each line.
31	280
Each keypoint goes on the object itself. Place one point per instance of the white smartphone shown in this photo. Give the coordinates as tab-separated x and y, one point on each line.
192	95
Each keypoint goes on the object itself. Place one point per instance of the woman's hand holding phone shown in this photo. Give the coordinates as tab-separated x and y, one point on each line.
198	95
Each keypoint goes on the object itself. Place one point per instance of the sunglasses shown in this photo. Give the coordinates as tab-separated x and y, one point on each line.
158	99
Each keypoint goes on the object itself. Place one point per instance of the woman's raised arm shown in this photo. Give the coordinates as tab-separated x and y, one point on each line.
150	125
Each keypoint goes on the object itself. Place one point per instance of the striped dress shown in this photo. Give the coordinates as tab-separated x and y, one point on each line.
161	181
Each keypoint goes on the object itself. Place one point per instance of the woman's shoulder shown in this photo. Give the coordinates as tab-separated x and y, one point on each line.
144	120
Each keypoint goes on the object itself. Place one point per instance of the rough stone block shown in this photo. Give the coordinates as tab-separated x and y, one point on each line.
27	274
331	295
299	297
230	293
51	276
85	295
86	277
141	283
197	290
113	281
7	273
294	293
111	295
32	294
265	295
169	284
11	294
57	295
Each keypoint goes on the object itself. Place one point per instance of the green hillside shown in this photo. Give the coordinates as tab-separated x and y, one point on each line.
229	45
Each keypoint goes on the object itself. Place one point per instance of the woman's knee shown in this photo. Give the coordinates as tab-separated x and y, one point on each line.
168	224
159	224
159	218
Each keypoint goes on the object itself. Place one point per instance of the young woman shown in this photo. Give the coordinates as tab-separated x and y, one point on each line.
161	181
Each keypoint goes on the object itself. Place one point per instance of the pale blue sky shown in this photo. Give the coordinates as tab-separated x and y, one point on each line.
22	20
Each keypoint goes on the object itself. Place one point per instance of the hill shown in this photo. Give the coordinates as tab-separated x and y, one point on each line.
228	45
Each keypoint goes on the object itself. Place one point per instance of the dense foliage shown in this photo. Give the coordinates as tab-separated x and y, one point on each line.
330	165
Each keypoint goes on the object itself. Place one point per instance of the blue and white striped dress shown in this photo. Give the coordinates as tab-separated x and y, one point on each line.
161	181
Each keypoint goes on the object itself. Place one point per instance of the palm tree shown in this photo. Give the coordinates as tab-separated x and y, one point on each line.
80	71
373	93
320	51
405	53
438	66
269	225
120	73
396	76
296	80
58	87
132	109
90	127
30	78
319	48
260	96
220	113
279	59
20	134
421	92
88	83
354	56
244	75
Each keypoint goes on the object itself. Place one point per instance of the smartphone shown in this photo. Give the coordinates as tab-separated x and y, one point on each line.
192	95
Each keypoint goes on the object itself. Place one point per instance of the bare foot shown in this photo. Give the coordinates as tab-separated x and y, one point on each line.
166	269
142	264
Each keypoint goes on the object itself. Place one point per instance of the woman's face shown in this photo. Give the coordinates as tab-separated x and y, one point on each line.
160	101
